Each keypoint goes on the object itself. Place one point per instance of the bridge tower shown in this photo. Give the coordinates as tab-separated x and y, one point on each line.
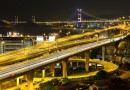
79	15
16	19
79	11
33	19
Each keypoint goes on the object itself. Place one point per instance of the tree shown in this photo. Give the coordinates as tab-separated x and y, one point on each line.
123	49
47	86
102	74
117	84
127	66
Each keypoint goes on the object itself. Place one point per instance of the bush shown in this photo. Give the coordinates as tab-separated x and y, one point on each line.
55	81
127	66
118	84
17	89
48	85
64	81
118	73
102	74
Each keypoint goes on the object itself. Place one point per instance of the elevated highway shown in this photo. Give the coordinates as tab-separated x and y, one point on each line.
108	66
41	49
27	66
33	64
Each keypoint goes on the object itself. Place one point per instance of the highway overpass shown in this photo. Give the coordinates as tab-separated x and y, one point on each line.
28	66
42	49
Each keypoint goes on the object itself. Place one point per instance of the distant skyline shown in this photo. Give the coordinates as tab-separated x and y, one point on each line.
50	10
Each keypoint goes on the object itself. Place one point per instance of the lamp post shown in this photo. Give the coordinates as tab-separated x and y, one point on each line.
3	47
124	20
56	46
44	36
57	51
83	31
60	33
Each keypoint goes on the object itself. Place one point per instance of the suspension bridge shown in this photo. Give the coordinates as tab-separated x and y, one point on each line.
75	18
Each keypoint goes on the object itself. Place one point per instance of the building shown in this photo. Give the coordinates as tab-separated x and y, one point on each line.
14	43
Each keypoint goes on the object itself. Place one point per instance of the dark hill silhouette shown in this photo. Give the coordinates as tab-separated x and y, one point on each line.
31	24
31	29
28	24
3	24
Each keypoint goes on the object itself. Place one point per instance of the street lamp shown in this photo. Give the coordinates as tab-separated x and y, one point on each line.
124	20
67	34
57	51
45	36
83	31
56	46
3	47
60	33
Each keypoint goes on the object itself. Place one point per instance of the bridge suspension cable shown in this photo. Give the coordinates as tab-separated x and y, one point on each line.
76	13
72	16
90	15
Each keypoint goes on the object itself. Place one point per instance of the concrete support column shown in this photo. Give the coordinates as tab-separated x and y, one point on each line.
103	53
52	69
30	76
43	73
77	64
120	31
64	68
17	80
0	85
95	66
25	77
87	54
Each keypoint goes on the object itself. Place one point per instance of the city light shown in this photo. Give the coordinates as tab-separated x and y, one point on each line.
69	42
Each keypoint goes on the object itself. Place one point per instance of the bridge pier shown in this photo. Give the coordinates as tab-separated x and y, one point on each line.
17	81
0	85
120	31
95	66
30	76
52	69
25	77
87	54
64	68
103	53
77	64
43	73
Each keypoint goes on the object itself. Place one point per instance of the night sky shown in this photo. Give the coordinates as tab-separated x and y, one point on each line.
50	10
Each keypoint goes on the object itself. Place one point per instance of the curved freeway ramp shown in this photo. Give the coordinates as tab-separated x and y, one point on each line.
108	66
